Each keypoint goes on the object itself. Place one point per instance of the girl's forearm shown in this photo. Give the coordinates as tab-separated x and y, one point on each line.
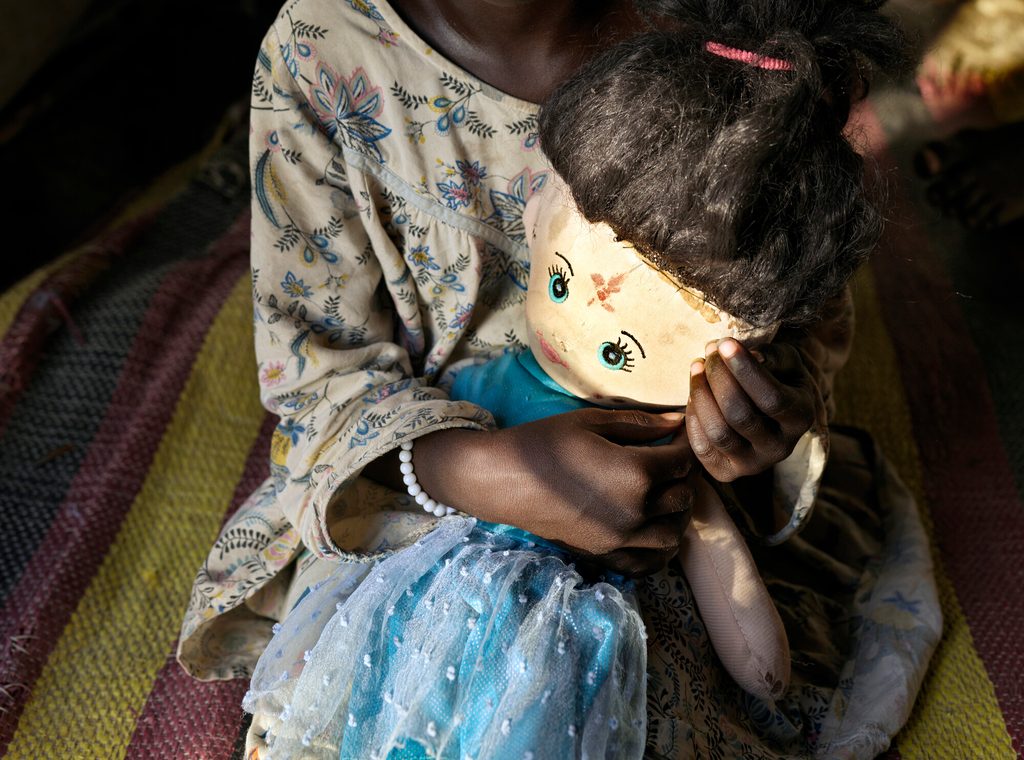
454	468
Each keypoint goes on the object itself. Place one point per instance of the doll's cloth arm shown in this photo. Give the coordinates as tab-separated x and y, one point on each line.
325	277
742	622
825	348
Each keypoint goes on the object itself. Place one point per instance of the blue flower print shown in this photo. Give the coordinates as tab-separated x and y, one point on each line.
386	36
453	112
462	316
421	256
456	195
471	173
296	401
295	288
363	433
452	281
321	247
367	8
349	108
289	60
290	429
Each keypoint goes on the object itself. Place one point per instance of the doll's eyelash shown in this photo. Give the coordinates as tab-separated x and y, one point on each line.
643	354
556	269
627	355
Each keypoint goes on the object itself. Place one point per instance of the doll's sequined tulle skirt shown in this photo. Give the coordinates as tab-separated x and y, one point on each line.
476	642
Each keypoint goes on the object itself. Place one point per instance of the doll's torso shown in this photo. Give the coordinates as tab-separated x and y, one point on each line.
514	389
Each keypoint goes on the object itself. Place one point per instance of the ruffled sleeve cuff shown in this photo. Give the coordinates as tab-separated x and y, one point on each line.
796	482
350	518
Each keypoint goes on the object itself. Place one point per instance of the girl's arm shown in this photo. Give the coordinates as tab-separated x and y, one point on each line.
587	479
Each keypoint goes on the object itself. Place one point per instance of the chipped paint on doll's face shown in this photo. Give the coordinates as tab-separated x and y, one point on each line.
605	324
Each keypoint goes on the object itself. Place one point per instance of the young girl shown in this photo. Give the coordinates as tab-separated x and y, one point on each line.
387	248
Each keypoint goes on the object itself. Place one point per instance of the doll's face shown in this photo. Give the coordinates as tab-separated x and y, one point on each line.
605	324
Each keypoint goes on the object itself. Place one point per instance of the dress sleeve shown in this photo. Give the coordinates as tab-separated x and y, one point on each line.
334	360
825	347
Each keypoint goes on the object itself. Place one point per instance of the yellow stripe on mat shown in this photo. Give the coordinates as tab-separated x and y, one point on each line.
96	681
956	715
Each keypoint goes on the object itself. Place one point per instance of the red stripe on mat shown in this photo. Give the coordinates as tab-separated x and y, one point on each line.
969	484
184	717
115	465
49	306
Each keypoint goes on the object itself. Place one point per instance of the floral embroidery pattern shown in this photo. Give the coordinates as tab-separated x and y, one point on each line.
454	110
295	287
527	129
272	374
386	36
455	195
472	173
348	107
509	206
420	256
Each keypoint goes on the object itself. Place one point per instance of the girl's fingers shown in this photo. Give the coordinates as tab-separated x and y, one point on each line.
736	405
668	461
633	563
662	534
717	433
758	379
716	463
630	426
675	498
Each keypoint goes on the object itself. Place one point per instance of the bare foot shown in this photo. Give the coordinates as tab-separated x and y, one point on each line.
977	176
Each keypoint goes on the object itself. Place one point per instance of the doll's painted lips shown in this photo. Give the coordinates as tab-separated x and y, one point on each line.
550	352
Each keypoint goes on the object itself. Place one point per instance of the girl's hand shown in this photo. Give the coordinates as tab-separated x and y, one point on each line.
747	409
587	479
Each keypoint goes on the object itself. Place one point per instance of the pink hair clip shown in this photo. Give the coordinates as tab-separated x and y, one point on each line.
746	56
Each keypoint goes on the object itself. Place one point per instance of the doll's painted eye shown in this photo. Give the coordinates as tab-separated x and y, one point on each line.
615	355
558	284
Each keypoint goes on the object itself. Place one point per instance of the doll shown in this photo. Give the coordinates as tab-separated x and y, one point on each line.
578	347
485	641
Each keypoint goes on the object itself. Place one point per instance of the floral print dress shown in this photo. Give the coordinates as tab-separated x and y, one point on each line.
387	251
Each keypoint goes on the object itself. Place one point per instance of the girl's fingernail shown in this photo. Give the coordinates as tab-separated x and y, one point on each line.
728	348
757	355
697	367
672	416
710	347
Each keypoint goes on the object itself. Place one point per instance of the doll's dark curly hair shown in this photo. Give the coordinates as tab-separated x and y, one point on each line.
734	178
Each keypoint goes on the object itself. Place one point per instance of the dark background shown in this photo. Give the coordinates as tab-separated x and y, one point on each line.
99	97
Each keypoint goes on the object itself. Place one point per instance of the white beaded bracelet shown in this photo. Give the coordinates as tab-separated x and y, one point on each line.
415	489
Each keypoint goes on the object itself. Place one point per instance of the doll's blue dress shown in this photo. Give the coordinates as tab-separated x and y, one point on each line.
478	641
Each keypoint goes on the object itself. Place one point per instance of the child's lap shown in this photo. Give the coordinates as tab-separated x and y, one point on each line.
814	580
